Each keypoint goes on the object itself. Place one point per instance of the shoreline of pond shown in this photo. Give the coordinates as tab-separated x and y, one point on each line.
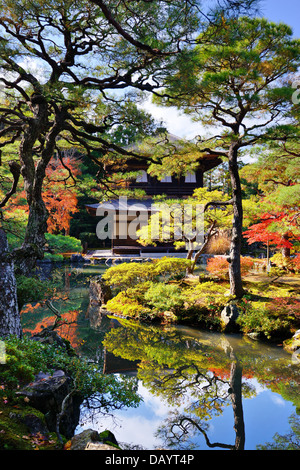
290	344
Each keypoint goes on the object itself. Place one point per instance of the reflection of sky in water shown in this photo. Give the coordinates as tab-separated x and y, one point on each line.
264	415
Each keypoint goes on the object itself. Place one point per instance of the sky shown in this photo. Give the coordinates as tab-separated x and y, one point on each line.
286	11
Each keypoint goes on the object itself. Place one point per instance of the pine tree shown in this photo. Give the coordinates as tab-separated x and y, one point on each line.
236	79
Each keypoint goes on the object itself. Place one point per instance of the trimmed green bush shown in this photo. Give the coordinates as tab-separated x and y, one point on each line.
164	297
259	319
63	243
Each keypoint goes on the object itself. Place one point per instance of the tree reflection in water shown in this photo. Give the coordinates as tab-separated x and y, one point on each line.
201	375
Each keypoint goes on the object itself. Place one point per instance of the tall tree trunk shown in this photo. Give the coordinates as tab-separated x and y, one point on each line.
33	175
32	248
235	278
10	321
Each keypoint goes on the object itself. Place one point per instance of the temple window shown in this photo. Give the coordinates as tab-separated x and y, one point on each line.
190	178
166	179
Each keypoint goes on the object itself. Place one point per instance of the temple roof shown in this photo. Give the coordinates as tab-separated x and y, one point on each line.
122	205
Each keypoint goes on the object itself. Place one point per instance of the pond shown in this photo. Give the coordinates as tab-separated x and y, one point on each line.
199	390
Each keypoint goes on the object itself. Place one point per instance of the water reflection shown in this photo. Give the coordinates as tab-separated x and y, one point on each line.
200	376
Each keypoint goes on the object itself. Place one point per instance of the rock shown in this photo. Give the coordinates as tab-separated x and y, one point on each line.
293	347
47	393
99	292
229	315
99	446
107	437
34	423
81	440
92	440
254	335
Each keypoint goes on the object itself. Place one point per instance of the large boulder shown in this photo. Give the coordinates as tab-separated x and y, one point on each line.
92	440
47	394
293	346
99	292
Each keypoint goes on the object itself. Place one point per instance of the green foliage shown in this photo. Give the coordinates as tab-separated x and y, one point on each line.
259	319
163	297
63	243
171	267
124	305
31	289
17	370
25	358
173	217
127	275
53	257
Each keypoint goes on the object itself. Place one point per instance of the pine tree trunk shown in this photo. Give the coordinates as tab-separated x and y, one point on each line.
236	286
10	321
32	248
33	174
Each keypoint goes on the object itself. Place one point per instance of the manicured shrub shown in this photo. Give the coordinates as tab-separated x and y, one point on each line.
124	305
127	275
63	243
164	297
170	267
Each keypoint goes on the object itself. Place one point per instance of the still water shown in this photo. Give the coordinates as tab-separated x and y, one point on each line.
199	390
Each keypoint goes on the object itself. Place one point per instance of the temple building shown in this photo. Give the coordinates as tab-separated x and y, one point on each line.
117	211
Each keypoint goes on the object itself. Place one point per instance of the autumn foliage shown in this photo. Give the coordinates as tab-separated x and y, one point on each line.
59	195
219	266
262	231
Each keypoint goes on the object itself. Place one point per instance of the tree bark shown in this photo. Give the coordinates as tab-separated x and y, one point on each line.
235	278
10	321
32	248
33	175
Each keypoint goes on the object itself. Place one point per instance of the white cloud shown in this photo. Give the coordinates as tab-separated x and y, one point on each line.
176	122
277	400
